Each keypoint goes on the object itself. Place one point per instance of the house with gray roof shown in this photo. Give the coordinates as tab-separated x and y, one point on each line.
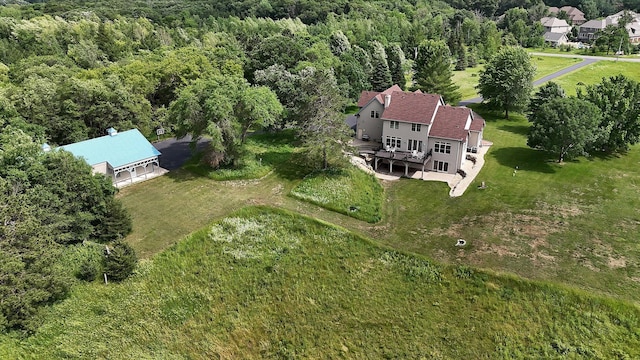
589	30
418	130
123	156
555	25
555	39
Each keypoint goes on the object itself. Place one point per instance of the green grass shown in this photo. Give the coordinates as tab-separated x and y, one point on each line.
545	65
269	284
262	153
348	191
593	74
467	80
576	223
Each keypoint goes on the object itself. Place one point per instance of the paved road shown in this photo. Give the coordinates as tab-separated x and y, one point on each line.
586	60
589	57
176	152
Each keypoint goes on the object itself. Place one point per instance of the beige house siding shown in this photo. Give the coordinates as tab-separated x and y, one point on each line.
368	125
475	138
405	133
455	159
102	168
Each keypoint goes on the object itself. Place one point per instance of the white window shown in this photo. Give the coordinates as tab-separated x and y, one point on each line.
440	166
414	145
415	127
394	124
393	141
375	114
442	147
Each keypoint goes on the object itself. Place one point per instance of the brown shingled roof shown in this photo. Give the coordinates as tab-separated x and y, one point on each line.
450	123
478	123
366	96
411	107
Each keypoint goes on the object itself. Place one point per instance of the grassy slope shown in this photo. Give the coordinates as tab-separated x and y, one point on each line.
348	191
271	284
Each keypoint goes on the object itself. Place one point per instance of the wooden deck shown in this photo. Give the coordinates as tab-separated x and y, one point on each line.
405	158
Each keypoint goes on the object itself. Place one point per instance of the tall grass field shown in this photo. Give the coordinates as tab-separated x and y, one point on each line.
269	284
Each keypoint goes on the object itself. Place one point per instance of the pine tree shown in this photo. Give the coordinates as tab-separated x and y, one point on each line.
396	61
381	75
119	261
433	70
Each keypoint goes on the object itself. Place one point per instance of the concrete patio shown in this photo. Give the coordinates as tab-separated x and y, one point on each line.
457	184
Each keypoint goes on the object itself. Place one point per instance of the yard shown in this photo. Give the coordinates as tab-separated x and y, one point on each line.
593	74
545	65
270	284
573	223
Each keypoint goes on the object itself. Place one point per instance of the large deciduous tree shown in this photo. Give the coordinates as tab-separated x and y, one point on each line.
566	127
323	131
618	99
507	81
433	70
545	93
223	108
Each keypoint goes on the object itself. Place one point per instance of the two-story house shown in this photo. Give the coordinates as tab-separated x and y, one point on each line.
576	17
417	129
589	30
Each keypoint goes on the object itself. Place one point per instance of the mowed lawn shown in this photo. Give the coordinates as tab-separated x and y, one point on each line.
593	74
575	223
270	284
545	65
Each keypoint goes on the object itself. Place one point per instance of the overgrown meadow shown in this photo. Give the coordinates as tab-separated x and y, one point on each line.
265	283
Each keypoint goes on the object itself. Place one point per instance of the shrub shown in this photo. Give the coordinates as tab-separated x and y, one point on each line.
89	270
119	261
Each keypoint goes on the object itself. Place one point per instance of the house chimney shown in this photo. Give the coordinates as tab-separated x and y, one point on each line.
112	132
387	100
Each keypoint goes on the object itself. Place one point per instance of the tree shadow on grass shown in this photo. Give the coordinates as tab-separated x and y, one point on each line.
524	159
516	129
287	165
604	155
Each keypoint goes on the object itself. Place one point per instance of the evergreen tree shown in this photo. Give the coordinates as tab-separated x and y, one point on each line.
396	65
433	71
381	75
119	261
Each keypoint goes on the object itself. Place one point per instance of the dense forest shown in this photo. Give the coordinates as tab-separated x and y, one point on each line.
71	69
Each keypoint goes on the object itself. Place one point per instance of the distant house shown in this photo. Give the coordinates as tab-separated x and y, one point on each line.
634	32
555	25
555	39
589	30
417	130
576	17
120	155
